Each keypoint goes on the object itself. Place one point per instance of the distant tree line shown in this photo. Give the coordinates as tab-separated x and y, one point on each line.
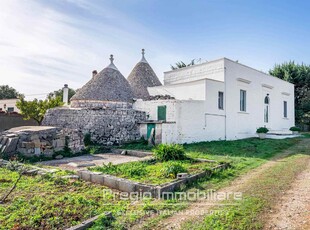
299	75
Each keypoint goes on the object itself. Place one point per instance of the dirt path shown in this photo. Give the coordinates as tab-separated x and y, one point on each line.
203	207
293	210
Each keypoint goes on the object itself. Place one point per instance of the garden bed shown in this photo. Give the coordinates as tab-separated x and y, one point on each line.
155	173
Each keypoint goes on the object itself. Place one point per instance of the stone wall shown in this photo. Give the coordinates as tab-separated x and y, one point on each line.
35	141
106	126
100	104
11	120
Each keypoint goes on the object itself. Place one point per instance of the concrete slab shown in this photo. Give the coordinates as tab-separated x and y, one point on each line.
82	162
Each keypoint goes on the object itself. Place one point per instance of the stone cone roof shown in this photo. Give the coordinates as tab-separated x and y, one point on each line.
108	85
141	77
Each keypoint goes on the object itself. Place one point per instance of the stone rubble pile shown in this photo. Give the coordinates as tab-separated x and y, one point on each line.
36	141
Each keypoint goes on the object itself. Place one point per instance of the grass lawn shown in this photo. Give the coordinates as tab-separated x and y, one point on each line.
259	196
46	202
152	172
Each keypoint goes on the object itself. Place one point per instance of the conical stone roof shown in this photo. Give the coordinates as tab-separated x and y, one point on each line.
141	77
107	85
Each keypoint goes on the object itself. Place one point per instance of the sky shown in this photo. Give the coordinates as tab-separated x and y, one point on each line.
45	44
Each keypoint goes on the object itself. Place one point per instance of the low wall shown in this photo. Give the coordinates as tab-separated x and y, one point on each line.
106	126
8	121
129	186
42	140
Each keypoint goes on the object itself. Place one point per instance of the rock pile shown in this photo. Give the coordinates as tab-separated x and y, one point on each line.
42	140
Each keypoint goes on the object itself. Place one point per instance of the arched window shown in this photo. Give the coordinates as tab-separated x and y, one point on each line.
266	112
267	99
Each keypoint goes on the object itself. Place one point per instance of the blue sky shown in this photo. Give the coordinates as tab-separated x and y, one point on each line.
46	43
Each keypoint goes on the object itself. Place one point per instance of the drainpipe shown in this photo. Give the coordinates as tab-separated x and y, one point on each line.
225	102
65	96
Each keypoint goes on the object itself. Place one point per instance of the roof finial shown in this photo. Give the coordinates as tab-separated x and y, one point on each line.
111	58
143	58
112	66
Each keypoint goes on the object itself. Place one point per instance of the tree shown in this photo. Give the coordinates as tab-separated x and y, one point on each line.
36	109
181	64
299	75
7	92
59	93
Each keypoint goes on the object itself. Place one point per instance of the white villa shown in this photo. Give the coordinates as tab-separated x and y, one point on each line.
218	100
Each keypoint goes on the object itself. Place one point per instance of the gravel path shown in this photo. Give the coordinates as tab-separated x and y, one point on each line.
293	210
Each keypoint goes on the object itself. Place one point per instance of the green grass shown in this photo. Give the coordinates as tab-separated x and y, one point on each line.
258	197
50	203
152	172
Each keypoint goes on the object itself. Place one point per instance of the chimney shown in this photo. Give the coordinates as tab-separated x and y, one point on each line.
65	96
94	73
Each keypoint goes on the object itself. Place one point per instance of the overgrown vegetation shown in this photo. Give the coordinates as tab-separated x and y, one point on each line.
169	152
153	172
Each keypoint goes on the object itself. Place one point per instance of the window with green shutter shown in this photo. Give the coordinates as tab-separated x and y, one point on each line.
161	113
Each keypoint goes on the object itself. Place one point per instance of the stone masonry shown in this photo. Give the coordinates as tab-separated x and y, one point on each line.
39	140
106	126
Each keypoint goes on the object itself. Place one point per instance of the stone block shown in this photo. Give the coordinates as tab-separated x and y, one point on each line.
126	185
85	175
97	178
110	181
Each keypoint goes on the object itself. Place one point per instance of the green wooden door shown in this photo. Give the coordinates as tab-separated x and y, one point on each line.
149	130
161	113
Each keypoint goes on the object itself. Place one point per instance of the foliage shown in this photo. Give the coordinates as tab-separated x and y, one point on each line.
299	75
181	64
131	170
36	109
59	94
295	129
262	130
172	169
87	139
153	172
167	152
7	92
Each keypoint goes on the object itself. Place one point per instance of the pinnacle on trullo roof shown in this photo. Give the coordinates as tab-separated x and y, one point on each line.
141	77
108	85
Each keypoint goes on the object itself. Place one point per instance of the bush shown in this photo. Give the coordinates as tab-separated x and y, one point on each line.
295	129
164	152
262	130
172	169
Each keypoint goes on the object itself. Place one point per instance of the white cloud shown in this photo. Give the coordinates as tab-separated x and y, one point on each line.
43	47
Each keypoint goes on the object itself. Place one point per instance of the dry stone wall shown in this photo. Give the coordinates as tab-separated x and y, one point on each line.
106	126
35	141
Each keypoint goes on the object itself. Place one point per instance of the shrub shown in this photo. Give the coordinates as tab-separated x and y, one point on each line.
165	152
295	129
172	169
262	130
